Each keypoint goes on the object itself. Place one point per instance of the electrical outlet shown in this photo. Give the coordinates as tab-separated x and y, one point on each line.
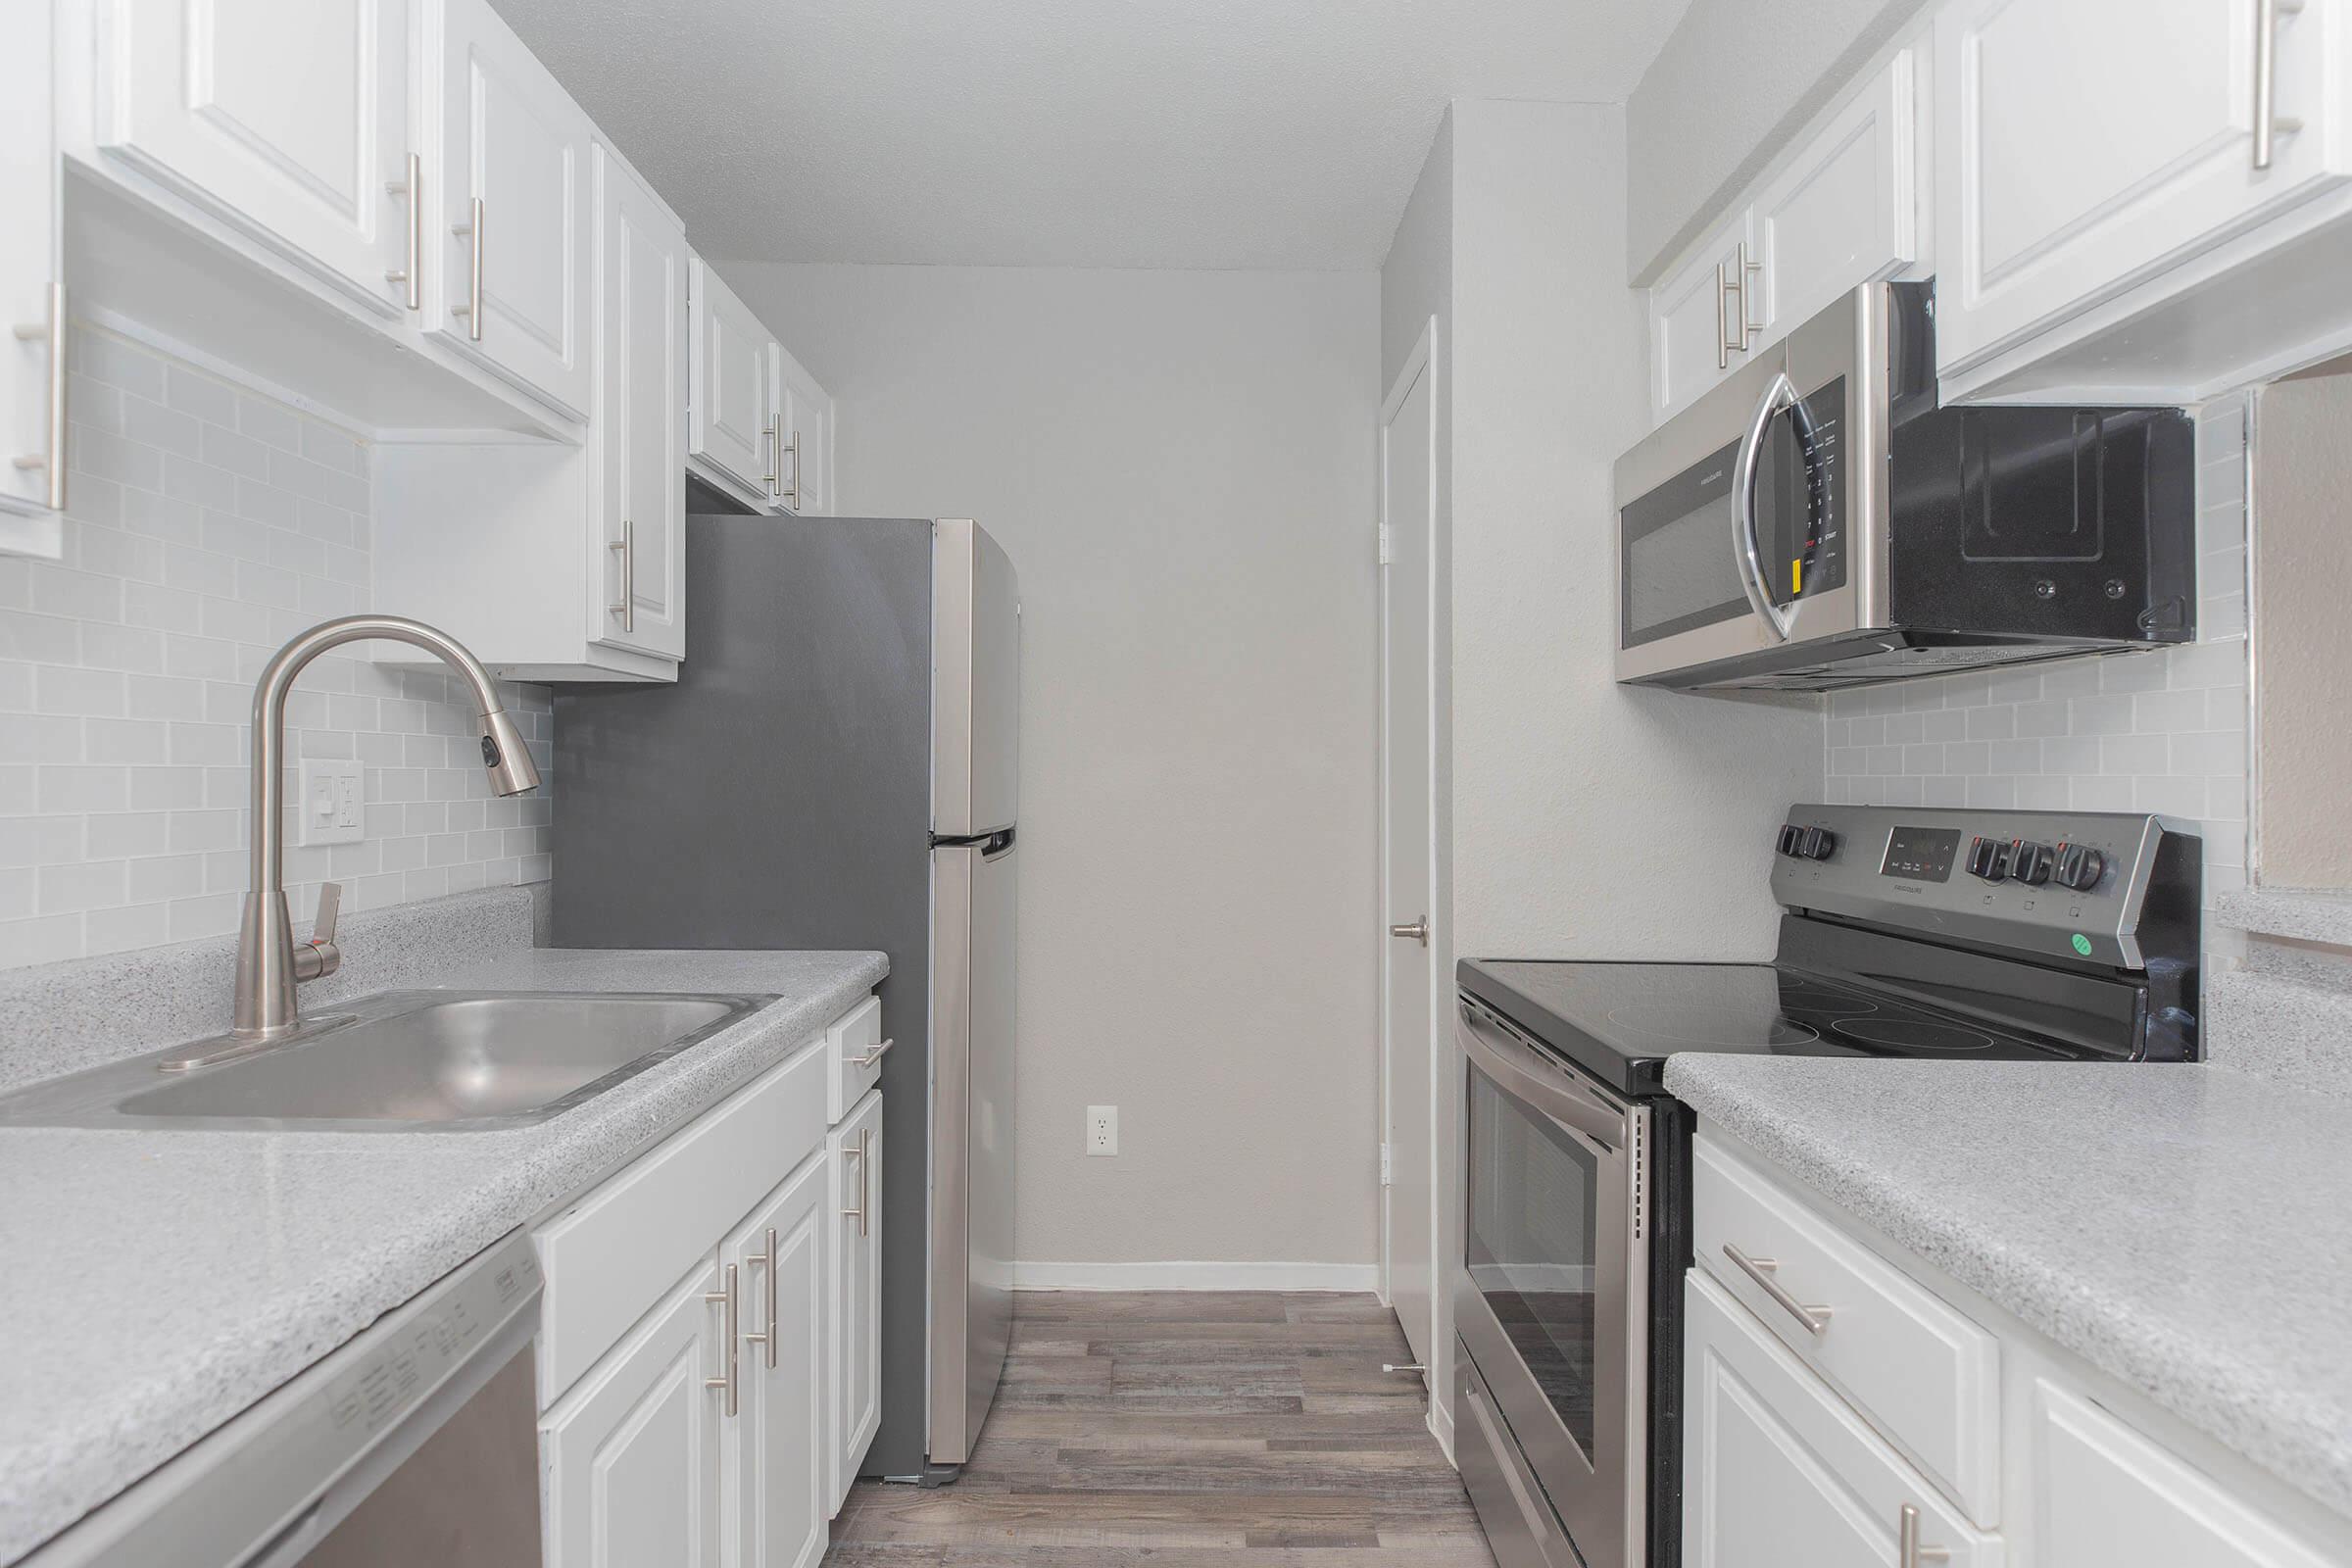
330	801
1101	1129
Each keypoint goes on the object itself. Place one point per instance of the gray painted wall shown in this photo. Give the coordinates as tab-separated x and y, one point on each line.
1736	80
1181	466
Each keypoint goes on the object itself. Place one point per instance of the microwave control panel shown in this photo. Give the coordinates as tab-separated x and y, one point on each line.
1801	509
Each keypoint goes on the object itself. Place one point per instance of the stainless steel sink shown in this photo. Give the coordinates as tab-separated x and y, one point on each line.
418	1060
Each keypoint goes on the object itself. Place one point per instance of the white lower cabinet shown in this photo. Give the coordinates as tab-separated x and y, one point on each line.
716	1423
854	1328
630	1457
1777	1472
772	1446
1865	1445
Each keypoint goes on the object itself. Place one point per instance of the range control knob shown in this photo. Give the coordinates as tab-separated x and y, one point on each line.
1988	859
1816	844
1790	837
2080	866
2030	863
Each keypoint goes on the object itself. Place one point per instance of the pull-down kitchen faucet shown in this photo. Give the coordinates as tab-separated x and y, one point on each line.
270	964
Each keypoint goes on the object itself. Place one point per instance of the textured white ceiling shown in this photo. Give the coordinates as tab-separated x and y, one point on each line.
1189	133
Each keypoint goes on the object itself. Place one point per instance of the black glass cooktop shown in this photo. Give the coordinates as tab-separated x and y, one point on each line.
1621	1021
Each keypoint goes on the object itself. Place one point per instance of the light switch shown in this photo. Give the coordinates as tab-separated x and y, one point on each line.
330	801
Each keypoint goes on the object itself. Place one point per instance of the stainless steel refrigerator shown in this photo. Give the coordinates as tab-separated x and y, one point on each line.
838	766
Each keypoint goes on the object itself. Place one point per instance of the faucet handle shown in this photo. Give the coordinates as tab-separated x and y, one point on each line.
319	958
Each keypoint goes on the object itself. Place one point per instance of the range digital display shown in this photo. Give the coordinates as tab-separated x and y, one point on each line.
1922	854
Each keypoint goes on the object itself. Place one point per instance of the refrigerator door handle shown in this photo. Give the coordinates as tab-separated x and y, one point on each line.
990	844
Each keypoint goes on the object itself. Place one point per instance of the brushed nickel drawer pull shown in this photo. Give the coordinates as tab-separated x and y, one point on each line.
1815	1319
870	1055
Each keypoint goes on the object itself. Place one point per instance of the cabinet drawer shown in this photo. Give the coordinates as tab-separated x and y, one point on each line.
608	1256
1922	1375
2107	1495
1778	1472
853	1058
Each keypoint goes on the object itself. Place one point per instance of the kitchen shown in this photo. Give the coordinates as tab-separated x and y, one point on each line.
851	1033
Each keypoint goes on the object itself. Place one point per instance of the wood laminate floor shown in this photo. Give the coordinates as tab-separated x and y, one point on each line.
1183	1431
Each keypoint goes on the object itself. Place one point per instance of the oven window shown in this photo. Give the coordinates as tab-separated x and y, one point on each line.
1678	572
1531	1245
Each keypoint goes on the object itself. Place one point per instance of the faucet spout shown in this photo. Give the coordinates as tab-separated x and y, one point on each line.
267	970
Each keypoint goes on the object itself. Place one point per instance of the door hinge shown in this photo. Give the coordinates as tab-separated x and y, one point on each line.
1387	1165
1387	554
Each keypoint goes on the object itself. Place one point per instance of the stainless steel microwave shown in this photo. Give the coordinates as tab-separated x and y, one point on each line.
1820	520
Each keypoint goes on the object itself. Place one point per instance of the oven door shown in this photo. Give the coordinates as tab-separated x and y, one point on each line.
1745	523
1551	1298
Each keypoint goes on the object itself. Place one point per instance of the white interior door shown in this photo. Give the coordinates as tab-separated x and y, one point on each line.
1407	870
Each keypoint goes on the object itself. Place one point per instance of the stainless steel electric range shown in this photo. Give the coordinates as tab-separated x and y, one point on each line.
1914	933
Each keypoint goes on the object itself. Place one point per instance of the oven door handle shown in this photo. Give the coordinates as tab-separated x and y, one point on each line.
1747	552
1520	1072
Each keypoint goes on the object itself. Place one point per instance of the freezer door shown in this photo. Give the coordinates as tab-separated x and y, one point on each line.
973	1052
976	696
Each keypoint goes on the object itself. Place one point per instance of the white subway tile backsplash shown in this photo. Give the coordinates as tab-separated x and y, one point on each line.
209	524
2163	731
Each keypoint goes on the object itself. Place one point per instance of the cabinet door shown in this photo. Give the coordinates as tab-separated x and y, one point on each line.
1845	212
1693	318
286	119
732	423
1777	1472
806	414
637	541
2106	1495
631	1456
511	289
777	1444
28	263
2085	144
854	1325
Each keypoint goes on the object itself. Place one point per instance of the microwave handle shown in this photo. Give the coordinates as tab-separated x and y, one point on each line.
1746	552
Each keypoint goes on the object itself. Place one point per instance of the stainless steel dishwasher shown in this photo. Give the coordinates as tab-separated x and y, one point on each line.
414	1441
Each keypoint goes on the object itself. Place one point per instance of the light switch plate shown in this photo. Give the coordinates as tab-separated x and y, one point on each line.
331	804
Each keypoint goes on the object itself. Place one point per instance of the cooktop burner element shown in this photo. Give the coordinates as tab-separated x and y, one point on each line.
1915	1036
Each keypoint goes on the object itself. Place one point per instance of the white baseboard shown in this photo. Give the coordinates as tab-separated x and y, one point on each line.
1441	1427
1352	1277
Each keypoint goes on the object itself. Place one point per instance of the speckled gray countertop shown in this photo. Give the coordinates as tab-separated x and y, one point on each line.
2183	1229
157	1283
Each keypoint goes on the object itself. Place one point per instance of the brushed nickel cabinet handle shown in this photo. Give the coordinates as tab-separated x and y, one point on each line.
2268	123
52	458
411	272
775	459
471	310
1815	1319
1908	1552
870	1055
729	1382
626	548
866	1182
791	497
1749	273
768	1335
856	1151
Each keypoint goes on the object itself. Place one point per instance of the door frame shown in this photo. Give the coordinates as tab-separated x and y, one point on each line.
1420	363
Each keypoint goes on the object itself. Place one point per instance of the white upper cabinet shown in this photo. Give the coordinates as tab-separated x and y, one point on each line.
32	337
288	119
806	414
508	283
1841	211
2084	145
732	421
1846	212
637	545
1695	336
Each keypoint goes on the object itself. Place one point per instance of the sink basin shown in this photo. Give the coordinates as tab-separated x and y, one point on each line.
427	1060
